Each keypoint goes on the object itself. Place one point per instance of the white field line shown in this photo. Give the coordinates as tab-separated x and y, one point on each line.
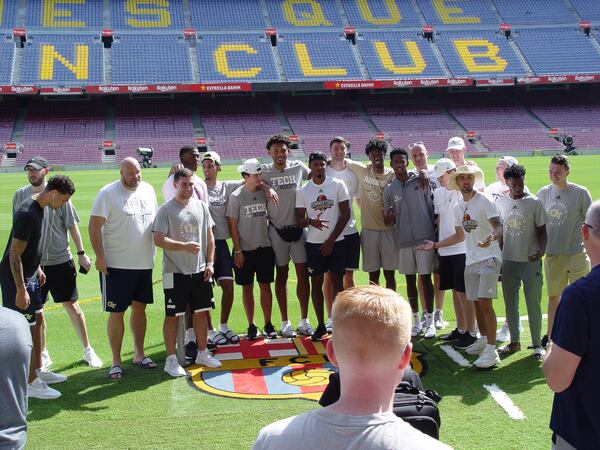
455	356
505	402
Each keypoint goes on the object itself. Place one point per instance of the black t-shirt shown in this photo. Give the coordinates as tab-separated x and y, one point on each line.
27	226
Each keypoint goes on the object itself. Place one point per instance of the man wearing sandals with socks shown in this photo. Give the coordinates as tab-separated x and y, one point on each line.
183	229
120	232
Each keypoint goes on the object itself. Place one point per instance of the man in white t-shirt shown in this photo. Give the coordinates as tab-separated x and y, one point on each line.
322	206
120	232
498	188
456	151
189	157
477	222
364	318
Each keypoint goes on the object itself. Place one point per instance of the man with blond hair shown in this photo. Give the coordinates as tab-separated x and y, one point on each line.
362	417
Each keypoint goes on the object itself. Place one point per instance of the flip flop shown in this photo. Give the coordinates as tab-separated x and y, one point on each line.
115	373
146	363
232	337
220	338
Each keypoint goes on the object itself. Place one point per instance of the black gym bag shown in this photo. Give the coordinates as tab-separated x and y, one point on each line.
416	407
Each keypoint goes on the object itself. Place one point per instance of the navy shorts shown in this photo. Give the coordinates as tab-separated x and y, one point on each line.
60	282
188	290
9	294
223	261
352	244
452	272
260	262
319	264
121	286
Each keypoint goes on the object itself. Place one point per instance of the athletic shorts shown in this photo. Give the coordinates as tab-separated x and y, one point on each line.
61	282
562	270
319	264
352	244
285	250
9	294
378	250
188	290
260	262
122	286
412	261
481	279
223	261
452	272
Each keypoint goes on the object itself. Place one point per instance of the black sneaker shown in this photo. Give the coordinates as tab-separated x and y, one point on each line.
269	331
319	332
252	332
545	341
455	335
211	347
465	341
191	350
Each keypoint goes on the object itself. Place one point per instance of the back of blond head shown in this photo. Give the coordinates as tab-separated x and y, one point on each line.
370	323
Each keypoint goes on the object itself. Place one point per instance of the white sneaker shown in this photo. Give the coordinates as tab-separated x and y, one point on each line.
417	327
329	326
503	334
423	319
287	330
305	329
46	360
39	389
429	332
487	359
205	358
477	347
90	357
539	353
50	377
438	319
173	368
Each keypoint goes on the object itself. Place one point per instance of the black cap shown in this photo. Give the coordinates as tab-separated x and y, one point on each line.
317	156
37	162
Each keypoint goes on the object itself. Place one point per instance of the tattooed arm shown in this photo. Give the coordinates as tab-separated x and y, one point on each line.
17	247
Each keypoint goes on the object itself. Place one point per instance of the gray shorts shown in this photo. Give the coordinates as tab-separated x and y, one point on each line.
481	279
378	250
412	261
286	250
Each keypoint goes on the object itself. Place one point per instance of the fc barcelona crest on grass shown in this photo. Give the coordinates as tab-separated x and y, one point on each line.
273	369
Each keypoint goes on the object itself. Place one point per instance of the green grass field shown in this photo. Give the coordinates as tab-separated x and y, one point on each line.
148	409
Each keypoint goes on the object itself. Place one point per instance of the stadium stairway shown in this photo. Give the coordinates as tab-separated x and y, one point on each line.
520	56
461	128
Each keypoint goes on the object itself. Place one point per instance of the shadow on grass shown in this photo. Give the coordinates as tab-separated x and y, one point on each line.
88	387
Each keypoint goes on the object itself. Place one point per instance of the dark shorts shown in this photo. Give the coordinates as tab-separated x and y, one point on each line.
452	272
9	294
319	264
352	244
260	262
188	290
223	261
121	286
60	282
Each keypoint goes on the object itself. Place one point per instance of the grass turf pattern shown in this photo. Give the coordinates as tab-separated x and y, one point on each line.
148	409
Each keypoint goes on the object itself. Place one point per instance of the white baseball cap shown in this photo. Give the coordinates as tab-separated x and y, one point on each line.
455	143
212	156
251	166
442	166
509	161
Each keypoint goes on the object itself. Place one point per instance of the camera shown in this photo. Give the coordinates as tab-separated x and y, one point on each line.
146	153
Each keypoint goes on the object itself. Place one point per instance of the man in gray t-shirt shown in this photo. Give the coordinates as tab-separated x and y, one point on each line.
524	238
566	205
183	229
57	262
15	354
247	218
287	240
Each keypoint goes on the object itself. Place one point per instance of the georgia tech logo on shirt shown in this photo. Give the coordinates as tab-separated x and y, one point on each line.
557	213
515	223
255	210
28	316
273	369
469	224
322	203
284	182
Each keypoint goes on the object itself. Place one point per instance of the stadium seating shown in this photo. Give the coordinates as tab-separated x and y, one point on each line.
464	13
529	12
559	51
318	56
304	15
398	55
227	15
238	57
144	58
8	112
147	15
8	13
60	59
479	53
380	13
587	10
64	15
6	56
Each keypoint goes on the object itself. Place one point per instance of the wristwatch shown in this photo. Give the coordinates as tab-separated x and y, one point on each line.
81	253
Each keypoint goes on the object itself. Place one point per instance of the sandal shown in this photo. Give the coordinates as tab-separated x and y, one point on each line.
146	363
219	339
115	373
232	337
